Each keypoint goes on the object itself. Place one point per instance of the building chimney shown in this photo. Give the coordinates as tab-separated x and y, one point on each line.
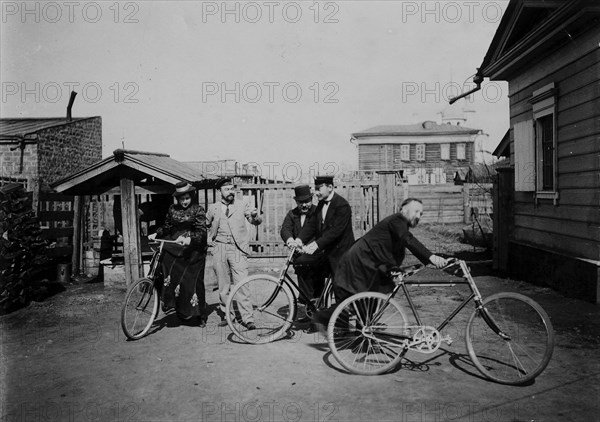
71	101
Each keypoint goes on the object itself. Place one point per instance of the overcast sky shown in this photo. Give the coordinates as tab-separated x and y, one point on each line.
261	82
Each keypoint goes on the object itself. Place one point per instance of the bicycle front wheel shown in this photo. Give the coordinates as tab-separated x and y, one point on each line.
260	309
140	309
524	345
366	335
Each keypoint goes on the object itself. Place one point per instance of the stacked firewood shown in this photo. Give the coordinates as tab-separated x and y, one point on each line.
22	249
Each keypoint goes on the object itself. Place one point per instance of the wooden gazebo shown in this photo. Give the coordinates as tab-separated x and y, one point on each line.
127	173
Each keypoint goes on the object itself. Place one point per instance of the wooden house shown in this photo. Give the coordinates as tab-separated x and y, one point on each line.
548	217
423	153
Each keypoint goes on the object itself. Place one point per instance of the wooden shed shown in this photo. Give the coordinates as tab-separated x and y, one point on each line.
550	230
128	174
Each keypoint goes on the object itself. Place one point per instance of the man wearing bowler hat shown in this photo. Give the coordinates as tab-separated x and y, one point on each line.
308	268
230	240
330	229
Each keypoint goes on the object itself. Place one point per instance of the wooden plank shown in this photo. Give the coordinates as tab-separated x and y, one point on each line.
578	248
576	229
578	130
581	146
589	179
131	238
588	92
584	111
579	164
570	91
583	197
77	256
563	212
557	66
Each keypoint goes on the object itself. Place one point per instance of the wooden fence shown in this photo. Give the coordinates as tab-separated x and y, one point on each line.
370	202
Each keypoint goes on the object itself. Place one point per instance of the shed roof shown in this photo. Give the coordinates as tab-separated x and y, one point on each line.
426	128
503	148
11	128
137	165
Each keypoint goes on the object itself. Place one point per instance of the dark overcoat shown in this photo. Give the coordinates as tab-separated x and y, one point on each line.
291	223
334	236
364	266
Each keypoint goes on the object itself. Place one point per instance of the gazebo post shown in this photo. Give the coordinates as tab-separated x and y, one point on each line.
77	225
132	252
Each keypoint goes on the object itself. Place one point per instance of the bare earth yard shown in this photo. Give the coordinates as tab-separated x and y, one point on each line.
66	359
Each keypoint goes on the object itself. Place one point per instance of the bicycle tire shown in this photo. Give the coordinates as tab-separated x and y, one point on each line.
271	321
139	309
348	343
526	354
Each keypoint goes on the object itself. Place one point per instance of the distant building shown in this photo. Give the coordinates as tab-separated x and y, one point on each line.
423	153
39	151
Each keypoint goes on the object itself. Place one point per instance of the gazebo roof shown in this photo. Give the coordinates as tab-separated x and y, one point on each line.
155	172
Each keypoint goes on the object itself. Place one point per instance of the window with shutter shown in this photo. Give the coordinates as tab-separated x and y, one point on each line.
420	152
405	152
543	101
445	151
460	152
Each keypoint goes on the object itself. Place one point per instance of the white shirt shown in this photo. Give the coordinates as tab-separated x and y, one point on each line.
326	206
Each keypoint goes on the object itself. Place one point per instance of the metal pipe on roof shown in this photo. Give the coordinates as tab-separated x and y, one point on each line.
478	79
70	106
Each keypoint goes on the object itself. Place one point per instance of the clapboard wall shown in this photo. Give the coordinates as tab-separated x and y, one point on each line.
548	232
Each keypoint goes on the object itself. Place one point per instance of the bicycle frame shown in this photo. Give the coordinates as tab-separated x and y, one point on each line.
475	295
156	256
284	278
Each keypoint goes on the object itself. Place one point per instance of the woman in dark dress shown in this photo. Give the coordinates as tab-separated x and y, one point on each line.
183	262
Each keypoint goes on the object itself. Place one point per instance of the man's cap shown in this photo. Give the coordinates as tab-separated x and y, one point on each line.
183	187
223	182
323	180
302	193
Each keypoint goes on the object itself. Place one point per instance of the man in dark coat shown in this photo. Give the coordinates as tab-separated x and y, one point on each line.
309	268
364	267
330	225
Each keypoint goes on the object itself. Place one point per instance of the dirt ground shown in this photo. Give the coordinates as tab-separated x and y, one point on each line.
66	359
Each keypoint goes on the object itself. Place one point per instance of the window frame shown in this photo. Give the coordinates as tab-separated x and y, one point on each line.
461	146
543	101
417	148
405	152
445	147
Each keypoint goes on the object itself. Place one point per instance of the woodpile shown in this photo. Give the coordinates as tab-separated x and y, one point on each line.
22	250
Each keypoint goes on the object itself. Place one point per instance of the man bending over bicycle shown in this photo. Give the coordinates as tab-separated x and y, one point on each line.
364	267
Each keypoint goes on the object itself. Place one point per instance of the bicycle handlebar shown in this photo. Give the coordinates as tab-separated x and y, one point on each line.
162	241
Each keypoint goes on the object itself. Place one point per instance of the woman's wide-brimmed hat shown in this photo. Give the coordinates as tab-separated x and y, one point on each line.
183	187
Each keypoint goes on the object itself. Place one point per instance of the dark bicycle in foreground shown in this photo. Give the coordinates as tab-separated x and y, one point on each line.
509	336
274	304
140	308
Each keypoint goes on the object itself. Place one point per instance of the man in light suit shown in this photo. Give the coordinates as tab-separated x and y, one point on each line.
230	240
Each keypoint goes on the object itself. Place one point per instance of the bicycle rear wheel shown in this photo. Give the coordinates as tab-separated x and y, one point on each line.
525	350
140	309
263	301
365	337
